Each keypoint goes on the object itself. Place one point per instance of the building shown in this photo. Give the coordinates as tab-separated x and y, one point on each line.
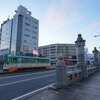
0	38
88	56
53	50
24	33
6	37
20	34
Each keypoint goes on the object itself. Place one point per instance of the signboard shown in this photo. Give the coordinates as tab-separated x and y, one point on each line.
26	49
35	52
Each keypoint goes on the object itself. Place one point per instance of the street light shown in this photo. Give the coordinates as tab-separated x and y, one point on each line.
96	35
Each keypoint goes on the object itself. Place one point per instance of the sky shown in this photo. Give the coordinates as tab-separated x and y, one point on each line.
60	21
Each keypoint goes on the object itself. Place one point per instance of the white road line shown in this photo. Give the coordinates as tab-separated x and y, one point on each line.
23	75
32	93
26	80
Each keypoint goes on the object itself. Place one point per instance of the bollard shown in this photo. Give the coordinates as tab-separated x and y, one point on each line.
96	60
61	73
80	43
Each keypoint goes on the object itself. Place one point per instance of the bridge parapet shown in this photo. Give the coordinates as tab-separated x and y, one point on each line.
96	59
81	70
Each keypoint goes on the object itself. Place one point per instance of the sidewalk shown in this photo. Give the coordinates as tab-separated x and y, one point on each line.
87	89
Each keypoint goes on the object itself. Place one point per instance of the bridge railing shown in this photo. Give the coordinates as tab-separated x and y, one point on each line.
91	70
65	76
74	75
77	74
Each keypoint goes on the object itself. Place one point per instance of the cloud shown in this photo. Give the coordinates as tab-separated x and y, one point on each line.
63	12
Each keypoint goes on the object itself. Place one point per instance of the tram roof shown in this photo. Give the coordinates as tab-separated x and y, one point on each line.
26	57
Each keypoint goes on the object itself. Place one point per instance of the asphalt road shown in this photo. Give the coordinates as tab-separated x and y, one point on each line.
17	85
86	89
1	70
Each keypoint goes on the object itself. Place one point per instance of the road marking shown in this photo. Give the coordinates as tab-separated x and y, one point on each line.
26	80
23	75
32	93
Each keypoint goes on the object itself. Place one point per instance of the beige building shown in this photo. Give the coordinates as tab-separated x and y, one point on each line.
53	50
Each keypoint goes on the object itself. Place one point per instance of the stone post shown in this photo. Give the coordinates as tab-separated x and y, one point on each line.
61	73
96	60
80	43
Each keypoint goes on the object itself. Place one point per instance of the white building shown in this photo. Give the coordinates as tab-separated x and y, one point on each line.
6	37
53	50
0	38
20	34
24	33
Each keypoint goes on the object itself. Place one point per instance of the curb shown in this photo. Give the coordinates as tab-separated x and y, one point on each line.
12	72
2	73
27	95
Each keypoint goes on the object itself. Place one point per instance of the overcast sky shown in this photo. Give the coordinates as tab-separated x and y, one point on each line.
60	21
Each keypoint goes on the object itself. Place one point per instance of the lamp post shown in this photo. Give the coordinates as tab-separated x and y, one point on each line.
98	61
96	35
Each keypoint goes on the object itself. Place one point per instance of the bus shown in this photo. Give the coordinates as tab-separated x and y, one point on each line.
14	63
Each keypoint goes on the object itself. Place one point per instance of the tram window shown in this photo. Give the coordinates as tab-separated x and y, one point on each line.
14	60
19	60
9	60
30	60
47	61
27	60
33	60
39	60
23	60
42	61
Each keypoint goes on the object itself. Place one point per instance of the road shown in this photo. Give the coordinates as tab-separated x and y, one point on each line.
1	70
17	85
86	89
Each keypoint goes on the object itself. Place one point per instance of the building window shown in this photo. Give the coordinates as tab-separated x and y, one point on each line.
27	19
19	33
24	41
35	22
34	32
33	37
27	24
35	48
27	29
35	43
27	35
35	27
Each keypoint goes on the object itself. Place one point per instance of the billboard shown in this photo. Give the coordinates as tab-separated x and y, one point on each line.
35	52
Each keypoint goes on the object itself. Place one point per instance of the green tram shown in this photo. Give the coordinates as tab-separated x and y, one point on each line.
14	63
